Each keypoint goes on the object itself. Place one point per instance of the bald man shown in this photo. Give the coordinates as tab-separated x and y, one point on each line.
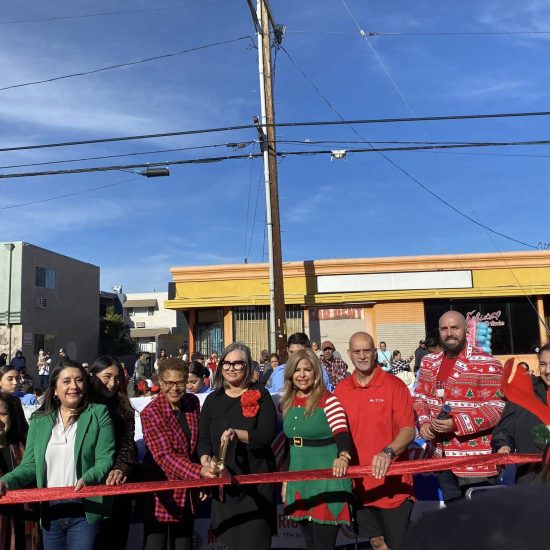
468	380
381	419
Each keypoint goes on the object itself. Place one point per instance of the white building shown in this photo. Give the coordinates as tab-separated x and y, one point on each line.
153	326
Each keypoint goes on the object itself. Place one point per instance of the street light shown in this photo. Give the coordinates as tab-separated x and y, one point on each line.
10	247
155	172
150	171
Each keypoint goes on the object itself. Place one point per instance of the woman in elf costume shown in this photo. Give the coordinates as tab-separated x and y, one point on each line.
519	430
317	431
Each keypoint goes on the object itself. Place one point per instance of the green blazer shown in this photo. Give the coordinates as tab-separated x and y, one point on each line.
94	452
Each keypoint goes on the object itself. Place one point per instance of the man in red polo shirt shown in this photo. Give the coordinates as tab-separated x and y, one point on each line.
380	414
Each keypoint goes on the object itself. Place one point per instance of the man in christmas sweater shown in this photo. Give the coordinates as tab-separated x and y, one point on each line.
468	380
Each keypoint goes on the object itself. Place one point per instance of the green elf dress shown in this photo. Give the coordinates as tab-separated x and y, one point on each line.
315	442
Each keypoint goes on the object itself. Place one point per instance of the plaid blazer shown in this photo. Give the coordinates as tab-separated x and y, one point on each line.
172	452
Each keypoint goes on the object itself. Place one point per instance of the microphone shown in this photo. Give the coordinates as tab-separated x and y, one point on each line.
444	413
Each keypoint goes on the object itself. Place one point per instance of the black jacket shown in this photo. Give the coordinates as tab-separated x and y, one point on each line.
515	429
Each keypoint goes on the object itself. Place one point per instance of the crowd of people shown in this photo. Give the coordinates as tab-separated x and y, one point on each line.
83	434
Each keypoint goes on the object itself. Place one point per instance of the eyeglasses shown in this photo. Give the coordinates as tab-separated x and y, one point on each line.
180	385
237	365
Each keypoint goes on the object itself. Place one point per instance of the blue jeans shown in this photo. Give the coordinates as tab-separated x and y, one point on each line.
68	531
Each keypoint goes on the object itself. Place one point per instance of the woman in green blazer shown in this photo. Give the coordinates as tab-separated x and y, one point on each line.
70	443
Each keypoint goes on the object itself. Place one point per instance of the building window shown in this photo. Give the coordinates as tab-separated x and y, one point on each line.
150	311
141	311
45	277
514	320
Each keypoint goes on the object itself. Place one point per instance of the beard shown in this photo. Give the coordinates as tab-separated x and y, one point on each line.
453	347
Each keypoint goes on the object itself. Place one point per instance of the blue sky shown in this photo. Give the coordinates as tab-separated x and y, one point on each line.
213	213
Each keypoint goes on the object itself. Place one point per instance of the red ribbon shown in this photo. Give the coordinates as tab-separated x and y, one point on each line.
23	496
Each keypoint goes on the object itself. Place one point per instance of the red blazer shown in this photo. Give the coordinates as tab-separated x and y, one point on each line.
172	452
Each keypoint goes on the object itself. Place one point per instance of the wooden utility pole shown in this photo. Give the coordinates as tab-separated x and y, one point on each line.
277	340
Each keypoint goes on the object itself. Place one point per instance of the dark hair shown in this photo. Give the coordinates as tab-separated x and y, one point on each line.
15	434
546	347
196	355
524	365
432	339
298	338
51	403
118	403
5	369
395	353
382	342
173	363
198	369
3	359
276	355
218	383
100	364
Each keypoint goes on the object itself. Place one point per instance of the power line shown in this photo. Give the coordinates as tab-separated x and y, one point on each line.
245	144
436	33
405	172
128	64
282	154
108	13
196	147
248	203
40	201
339	122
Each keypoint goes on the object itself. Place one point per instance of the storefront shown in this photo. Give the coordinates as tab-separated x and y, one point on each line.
395	299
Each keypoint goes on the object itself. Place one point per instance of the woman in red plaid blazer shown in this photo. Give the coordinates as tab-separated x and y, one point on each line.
170	430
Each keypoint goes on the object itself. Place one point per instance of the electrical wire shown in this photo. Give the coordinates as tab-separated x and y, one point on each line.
255	214
281	154
339	122
405	172
248	203
241	145
436	33
128	64
108	13
40	201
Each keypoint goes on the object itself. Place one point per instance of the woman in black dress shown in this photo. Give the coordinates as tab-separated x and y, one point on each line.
238	409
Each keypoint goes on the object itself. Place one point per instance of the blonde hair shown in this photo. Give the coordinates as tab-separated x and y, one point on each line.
289	390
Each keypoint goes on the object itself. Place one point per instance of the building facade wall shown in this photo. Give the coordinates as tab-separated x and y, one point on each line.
172	325
390	293
70	319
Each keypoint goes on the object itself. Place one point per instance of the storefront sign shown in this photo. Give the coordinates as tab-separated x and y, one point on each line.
492	318
329	314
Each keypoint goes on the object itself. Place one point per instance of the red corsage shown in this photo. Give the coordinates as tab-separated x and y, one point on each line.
249	403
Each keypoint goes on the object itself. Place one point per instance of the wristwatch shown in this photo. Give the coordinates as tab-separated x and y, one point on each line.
389	451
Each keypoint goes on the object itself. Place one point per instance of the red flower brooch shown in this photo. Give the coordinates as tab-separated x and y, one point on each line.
249	403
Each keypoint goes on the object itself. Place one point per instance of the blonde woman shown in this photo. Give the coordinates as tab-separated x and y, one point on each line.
317	431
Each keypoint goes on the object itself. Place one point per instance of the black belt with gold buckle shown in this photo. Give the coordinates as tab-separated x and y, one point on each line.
302	442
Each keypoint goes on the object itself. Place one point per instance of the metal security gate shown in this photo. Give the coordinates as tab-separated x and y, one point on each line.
251	326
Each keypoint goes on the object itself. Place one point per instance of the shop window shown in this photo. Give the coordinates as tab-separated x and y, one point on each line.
514	320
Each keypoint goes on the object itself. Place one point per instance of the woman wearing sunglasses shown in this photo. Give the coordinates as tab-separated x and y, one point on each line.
242	415
170	426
